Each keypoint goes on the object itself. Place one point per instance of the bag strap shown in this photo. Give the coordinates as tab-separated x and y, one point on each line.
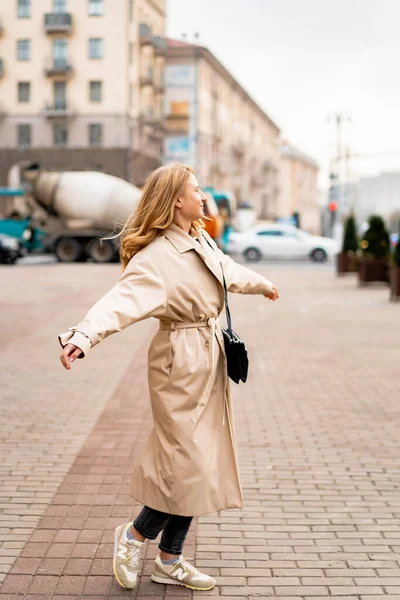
228	312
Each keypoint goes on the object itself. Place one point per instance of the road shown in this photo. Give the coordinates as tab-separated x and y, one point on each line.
317	427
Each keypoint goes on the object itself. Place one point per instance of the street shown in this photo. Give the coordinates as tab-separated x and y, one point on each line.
317	426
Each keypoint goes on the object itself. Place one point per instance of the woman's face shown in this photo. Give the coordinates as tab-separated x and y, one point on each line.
191	204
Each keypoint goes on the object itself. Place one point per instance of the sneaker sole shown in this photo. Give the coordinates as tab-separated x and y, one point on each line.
167	580
116	544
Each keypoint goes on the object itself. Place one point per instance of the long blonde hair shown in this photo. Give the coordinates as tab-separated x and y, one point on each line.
155	211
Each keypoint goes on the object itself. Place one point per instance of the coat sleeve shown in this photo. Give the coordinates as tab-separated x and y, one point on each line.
238	278
138	294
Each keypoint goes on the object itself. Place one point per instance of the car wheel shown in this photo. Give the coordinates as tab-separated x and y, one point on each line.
252	254
319	255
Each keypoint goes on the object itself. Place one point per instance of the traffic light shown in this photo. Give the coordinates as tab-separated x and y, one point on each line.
332	206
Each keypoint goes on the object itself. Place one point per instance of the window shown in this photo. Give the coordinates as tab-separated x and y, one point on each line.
24	49
60	6
24	91
130	10
24	9
95	91
60	134
95	134
24	135
60	51
95	48
95	8
270	232
60	95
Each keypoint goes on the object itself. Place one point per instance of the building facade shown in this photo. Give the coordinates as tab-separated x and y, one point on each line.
81	85
298	189
214	125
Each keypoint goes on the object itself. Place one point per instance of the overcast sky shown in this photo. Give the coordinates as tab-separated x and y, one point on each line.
303	59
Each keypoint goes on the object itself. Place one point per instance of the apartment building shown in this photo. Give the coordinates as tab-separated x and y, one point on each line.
81	85
298	189
215	126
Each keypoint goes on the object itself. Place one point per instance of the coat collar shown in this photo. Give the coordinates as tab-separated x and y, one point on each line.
183	242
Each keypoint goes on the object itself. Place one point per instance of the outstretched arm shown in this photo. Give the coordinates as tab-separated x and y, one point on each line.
240	279
138	295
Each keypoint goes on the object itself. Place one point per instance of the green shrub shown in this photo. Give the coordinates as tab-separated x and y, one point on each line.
350	238
376	240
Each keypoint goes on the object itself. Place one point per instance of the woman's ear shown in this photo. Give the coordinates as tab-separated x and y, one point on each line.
178	203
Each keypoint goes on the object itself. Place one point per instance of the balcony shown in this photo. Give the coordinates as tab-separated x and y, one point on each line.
58	67
58	22
177	123
147	78
159	45
58	110
1	67
145	35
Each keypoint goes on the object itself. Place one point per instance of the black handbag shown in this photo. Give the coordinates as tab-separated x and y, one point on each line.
235	349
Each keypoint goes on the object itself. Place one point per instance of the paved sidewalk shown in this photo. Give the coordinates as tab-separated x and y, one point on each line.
318	432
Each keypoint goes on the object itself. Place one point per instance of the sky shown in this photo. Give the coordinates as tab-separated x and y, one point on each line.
305	60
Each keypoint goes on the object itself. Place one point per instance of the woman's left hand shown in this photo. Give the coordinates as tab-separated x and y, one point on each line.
273	294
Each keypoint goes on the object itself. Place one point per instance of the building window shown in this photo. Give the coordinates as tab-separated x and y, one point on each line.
95	134
130	10
24	91
95	91
60	134
60	6
60	95
24	135
95	48
60	47
24	49
96	8
24	9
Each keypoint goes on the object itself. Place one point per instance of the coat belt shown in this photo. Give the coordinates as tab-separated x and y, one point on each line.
215	326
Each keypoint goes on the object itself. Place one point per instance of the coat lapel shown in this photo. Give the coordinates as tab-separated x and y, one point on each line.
184	242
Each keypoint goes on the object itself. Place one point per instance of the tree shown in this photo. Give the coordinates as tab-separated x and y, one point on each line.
376	239
350	238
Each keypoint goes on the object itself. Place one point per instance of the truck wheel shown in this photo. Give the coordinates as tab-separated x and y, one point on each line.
101	252
68	250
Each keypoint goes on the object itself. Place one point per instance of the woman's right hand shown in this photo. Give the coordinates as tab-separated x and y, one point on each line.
69	354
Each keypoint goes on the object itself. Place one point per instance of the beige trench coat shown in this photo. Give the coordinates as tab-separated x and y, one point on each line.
189	463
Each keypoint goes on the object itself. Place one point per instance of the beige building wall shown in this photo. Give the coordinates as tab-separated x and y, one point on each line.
124	98
232	142
298	191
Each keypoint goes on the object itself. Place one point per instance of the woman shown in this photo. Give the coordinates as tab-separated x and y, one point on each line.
173	271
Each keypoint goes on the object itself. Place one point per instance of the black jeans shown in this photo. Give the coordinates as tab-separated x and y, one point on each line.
150	522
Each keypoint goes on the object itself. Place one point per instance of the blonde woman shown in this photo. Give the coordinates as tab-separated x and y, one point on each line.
188	466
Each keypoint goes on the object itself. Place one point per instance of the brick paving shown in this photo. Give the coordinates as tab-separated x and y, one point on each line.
317	425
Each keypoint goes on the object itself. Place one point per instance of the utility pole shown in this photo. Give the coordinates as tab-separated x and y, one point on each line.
336	191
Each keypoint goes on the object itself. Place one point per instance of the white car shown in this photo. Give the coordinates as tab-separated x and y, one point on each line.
281	241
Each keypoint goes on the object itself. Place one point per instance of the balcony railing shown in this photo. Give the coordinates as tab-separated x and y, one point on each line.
58	67
160	45
58	22
57	110
177	123
145	35
1	67
147	78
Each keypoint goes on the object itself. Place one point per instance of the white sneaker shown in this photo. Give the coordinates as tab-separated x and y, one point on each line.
181	573
127	555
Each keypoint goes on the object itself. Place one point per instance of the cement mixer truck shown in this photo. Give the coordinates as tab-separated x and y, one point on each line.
67	213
